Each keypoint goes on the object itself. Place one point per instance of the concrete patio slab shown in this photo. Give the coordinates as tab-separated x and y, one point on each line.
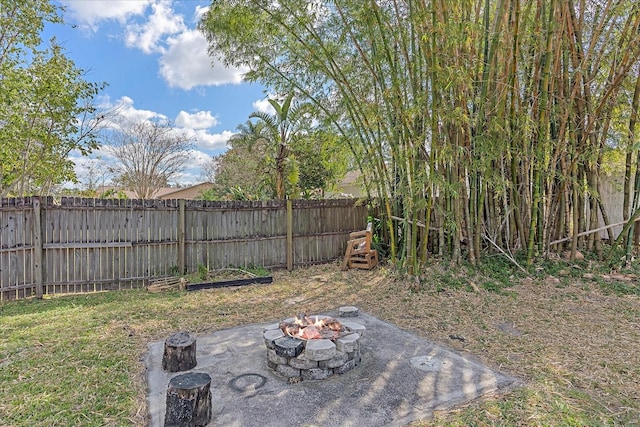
402	378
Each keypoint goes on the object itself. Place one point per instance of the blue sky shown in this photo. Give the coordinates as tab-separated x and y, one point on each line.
156	65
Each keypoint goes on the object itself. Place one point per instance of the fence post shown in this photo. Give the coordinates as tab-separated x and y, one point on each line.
181	236
289	235
38	271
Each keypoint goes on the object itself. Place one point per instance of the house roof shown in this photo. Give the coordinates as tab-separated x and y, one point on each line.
164	193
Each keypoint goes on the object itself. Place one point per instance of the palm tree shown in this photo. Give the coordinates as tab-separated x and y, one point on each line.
245	165
281	130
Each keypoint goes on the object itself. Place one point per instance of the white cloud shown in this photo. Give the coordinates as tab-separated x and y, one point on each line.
206	145
90	13
153	26
91	168
198	159
123	108
195	173
199	120
162	22
86	165
199	12
211	142
185	64
264	106
195	125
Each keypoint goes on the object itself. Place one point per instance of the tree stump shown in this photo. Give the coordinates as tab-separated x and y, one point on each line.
188	400
179	352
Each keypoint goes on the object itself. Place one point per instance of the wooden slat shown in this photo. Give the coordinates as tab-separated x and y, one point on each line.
98	244
86	245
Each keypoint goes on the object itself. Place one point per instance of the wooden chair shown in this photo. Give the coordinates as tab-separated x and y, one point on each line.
359	253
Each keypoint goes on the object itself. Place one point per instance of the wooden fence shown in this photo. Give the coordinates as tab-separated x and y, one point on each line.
85	245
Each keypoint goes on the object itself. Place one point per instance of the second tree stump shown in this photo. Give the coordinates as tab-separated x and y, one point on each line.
188	400
179	352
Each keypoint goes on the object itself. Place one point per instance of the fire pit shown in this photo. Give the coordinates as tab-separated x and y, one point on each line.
313	347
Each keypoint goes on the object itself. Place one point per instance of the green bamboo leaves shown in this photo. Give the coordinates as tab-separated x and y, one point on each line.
479	124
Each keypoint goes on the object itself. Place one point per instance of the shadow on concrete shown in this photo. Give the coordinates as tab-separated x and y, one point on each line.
402	378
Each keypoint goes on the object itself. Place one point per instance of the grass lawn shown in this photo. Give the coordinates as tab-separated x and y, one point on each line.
571	337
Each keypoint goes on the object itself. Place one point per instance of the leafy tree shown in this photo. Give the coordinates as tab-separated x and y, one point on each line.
315	162
46	109
290	122
323	159
242	172
148	154
484	120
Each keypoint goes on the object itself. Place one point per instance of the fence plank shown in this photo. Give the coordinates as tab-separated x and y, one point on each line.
289	235
95	244
37	243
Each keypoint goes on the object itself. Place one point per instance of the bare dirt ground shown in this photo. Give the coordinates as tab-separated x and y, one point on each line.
575	345
570	333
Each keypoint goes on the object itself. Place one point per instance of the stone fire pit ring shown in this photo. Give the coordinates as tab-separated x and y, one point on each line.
315	359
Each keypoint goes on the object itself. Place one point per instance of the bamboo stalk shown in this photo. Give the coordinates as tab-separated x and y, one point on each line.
588	232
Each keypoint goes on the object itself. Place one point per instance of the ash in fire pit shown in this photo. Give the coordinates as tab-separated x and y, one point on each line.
313	327
313	347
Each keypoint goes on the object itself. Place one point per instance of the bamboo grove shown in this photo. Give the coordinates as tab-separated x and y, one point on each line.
478	124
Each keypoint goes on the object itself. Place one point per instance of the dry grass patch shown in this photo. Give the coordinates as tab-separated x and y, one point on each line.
77	360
